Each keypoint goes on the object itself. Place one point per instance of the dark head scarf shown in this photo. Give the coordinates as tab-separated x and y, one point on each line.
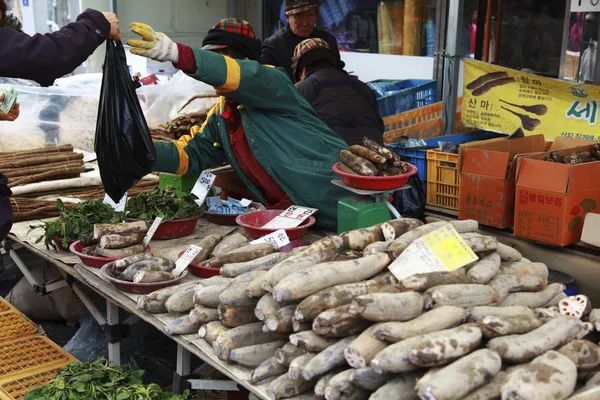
236	34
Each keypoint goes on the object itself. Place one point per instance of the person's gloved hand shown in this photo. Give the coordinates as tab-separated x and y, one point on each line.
154	45
12	114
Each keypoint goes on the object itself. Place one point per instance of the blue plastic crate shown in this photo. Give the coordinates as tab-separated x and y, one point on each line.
418	155
407	95
383	87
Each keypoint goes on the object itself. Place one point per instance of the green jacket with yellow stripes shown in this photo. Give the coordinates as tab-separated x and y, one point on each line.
285	134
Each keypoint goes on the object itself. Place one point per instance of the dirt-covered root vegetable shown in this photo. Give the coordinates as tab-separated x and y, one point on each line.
202	315
215	280
267	369
438	319
121	228
287	353
361	351
358	239
481	244
181	301
310	341
401	243
120	253
266	307
207	245
211	331
156	301
255	288
151	264
281	321
243	336
524	268
229	243
330	358
311	280
549	376
399	388
253	356
461	377
235	293
533	300
181	326
208	296
339	322
233	317
489	391
382	307
358	164
284	387
260	264
403	225
118	266
340	386
298	364
152	276
586	329
507	283
555	300
575	306
441	348
594	318
477	313
369	154
460	295
422	282
585	354
339	295
494	326
395	358
375	247
546	314
243	254
366	378
323	250
485	269
508	253
298	326
120	241
324	380
525	347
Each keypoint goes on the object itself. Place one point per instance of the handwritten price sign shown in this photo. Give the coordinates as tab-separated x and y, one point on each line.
291	218
202	186
278	239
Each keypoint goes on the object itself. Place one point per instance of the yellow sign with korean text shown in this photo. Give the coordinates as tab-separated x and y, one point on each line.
447	245
503	100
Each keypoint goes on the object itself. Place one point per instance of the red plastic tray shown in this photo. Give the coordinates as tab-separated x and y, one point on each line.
58	242
174	229
375	182
138	288
92	261
199	270
253	224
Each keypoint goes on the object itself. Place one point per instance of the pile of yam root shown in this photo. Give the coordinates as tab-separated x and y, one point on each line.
579	157
371	159
323	323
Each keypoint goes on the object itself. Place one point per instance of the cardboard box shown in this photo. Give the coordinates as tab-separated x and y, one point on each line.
487	181
553	199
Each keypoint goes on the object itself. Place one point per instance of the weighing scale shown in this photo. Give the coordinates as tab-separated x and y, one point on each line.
366	208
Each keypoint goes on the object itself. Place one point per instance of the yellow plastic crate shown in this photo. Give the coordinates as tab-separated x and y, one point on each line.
417	116
443	179
15	325
5	305
17	388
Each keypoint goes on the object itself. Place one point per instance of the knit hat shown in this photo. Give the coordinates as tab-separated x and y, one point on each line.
315	46
299	6
236	34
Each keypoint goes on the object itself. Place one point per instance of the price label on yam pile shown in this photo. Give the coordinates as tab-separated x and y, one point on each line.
440	250
202	186
152	230
278	239
186	258
290	218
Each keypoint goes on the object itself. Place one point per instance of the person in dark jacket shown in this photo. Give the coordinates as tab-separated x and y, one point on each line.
44	58
347	105
301	16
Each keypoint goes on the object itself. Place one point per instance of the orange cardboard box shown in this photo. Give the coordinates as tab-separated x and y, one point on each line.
553	199
487	181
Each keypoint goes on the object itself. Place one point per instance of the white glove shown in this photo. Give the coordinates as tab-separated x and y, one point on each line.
154	45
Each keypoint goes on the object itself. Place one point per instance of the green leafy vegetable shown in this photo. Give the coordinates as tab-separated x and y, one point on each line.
165	203
99	380
76	223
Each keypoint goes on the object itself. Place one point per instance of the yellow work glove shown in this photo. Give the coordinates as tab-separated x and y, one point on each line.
154	45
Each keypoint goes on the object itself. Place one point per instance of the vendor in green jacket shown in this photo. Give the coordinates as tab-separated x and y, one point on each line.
262	126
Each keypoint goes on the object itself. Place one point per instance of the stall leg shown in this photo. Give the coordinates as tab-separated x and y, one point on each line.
182	370
112	319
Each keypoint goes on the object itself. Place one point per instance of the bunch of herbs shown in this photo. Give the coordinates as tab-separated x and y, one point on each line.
165	203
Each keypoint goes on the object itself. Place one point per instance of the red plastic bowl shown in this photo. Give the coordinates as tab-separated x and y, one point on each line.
375	182
174	229
58	242
199	270
137	288
92	261
253	224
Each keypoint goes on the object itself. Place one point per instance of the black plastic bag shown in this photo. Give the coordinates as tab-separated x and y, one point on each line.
123	143
410	203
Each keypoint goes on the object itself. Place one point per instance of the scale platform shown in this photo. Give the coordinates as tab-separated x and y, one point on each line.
366	208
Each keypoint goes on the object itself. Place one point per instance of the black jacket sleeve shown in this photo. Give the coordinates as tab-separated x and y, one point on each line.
271	55
6	215
307	90
44	58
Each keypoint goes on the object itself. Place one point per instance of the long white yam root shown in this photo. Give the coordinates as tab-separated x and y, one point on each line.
400	244
339	322
489	391
242	336
211	331
400	388
549	376
340	386
508	283
461	377
366	378
477	313
485	269
493	326
523	348
361	351
422	282
585	354
508	253
330	358
324	380
281	321
438	319
253	356
235	316
297	365
436	349
469	295
388	306
533	300
268	369
310	341
301	284
284	387
287	353
524	268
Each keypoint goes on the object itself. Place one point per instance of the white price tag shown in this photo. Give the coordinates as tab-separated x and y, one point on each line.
202	186
245	202
186	258
290	218
118	207
278	239
152	230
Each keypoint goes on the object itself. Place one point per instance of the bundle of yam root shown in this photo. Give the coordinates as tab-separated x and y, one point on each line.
44	164
116	240
580	157
371	159
320	322
25	209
